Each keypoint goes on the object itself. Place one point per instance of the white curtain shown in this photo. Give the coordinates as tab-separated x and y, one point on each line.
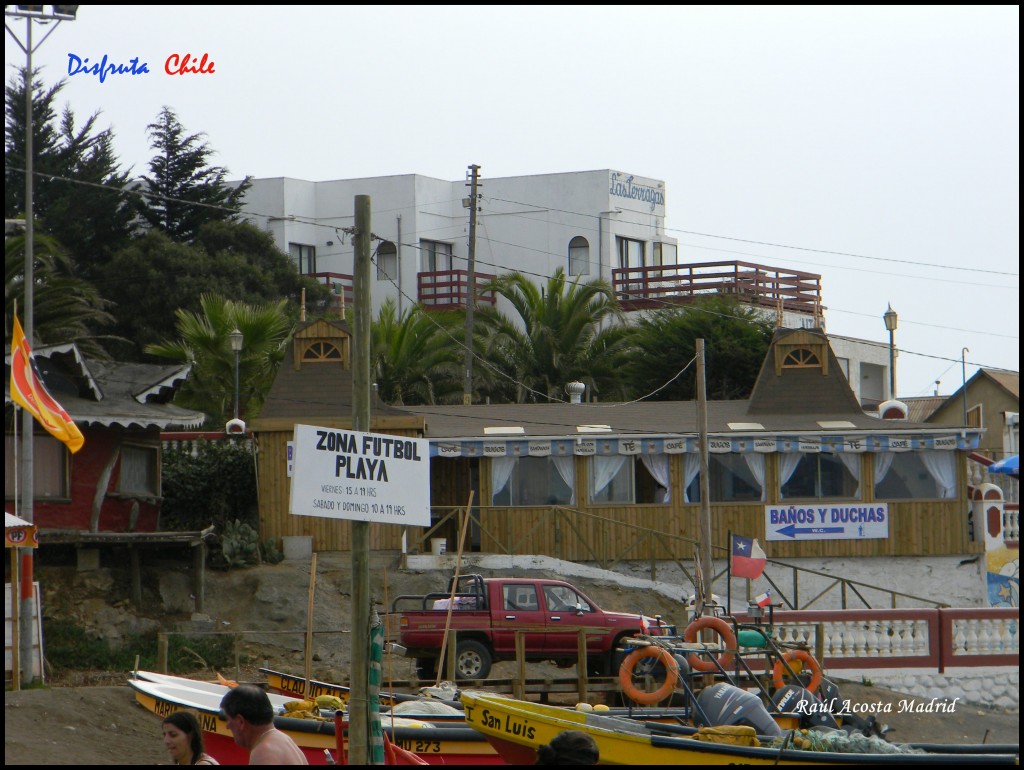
787	466
755	462
882	462
852	463
605	469
566	467
691	467
501	472
942	466
657	466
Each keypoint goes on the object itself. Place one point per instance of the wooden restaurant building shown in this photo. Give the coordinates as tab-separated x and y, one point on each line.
799	464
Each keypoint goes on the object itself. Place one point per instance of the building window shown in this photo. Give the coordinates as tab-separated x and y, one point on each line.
435	256
387	262
631	253
818	476
49	468
801	358
627	479
974	417
304	257
733	478
664	254
321	351
532	480
927	475
579	256
139	474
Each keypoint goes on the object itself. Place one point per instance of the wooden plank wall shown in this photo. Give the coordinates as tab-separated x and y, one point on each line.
918	528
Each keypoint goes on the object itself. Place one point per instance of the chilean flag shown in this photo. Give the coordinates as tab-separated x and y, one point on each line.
748	559
763	600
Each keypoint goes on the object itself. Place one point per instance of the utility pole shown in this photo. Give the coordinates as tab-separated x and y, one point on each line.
467	387
359	703
707	565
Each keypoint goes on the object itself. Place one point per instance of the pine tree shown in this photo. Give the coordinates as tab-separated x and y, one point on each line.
184	191
77	195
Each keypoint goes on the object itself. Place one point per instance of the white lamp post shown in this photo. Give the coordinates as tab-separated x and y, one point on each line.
236	338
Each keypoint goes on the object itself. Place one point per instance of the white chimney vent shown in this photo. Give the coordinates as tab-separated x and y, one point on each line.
575	391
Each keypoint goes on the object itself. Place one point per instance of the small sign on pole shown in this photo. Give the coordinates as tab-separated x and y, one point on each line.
346	474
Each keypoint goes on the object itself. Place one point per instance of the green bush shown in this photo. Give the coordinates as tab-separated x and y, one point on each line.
69	647
216	485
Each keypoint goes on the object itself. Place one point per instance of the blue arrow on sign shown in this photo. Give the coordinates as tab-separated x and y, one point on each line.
792	530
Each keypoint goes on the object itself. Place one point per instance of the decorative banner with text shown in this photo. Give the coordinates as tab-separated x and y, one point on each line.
835	521
345	474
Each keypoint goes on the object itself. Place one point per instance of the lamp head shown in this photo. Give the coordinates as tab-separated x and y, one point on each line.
236	339
890	319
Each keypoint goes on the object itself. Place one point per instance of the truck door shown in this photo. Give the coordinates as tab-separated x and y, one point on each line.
520	609
567	612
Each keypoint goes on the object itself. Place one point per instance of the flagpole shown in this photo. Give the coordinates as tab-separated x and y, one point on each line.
728	577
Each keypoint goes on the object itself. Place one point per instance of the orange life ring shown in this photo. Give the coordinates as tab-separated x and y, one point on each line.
637	695
801	655
728	638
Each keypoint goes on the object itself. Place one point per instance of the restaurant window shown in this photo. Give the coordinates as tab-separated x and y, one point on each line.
629	479
819	476
733	478
517	481
925	475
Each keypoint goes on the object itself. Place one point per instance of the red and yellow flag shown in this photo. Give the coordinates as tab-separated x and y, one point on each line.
27	390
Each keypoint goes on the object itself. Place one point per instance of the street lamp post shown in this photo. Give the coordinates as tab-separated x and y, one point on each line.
236	338
42	14
890	324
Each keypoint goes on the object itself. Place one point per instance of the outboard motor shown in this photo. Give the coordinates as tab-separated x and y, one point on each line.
799	700
854	724
727	705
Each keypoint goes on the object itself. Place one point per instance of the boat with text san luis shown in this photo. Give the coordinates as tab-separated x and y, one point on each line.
436	744
517	728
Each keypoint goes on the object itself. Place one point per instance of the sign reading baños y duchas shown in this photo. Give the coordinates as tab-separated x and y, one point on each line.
346	474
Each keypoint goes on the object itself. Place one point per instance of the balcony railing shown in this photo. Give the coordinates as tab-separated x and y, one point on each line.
449	289
650	287
341	287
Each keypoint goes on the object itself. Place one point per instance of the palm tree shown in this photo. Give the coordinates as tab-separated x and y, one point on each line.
558	336
204	341
414	356
66	308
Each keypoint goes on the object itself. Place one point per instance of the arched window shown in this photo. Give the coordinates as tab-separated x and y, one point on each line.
321	351
801	358
387	262
579	256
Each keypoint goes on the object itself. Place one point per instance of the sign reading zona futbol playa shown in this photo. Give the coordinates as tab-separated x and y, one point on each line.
835	521
346	474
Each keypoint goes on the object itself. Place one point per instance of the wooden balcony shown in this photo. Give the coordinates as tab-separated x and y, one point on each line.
341	288
640	288
449	289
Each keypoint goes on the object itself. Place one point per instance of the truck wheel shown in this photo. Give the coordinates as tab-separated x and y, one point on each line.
472	660
426	668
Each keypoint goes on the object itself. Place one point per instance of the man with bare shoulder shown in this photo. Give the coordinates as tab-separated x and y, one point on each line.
250	718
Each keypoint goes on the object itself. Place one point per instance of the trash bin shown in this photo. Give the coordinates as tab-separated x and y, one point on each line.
438	545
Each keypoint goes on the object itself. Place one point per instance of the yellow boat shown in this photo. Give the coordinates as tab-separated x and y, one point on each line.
517	728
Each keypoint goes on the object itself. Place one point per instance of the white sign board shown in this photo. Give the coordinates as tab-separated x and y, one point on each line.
346	474
834	521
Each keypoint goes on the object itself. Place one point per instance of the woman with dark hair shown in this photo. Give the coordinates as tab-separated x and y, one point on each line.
183	740
573	747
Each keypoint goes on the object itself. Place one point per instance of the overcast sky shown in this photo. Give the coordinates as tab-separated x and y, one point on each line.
878	147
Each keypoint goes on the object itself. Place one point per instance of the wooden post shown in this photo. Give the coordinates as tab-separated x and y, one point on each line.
581	664
819	642
136	570
199	574
309	628
707	566
451	641
451	599
519	685
161	653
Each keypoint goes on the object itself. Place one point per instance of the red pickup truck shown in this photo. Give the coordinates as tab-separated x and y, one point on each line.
488	611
